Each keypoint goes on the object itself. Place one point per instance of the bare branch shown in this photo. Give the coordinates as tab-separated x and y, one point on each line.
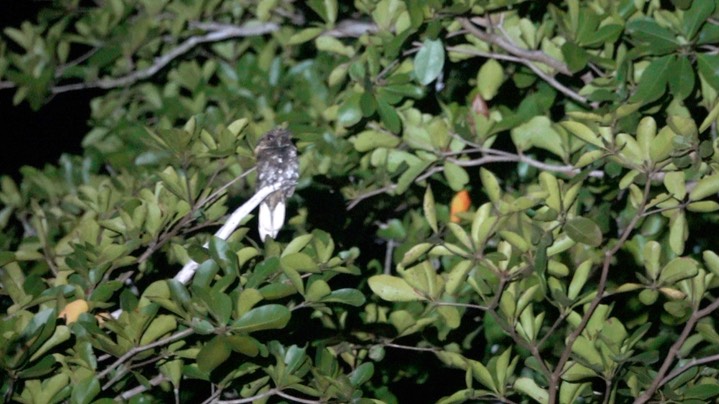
556	375
218	32
659	379
688	365
141	388
226	230
520	55
509	46
215	32
370	194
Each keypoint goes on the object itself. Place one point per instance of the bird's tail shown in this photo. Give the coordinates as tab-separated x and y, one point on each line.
271	219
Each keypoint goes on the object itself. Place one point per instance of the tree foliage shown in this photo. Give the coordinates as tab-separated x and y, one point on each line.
499	200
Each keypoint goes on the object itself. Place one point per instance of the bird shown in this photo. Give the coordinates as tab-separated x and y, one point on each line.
277	164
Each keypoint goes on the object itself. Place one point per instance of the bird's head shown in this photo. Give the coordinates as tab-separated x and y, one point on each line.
276	138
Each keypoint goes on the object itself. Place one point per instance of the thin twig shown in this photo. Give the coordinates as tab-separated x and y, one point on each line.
509	46
215	32
659	379
268	393
221	33
524	56
135	350
370	194
608	255
141	388
388	256
411	348
184	221
686	366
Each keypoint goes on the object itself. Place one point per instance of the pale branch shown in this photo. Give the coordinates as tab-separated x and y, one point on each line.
215	35
410	347
297	399
370	194
506	44
232	222
523	56
688	365
495	156
265	394
126	395
505	157
214	32
660	379
188	270
351	29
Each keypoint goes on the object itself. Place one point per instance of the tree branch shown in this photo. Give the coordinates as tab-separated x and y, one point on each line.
215	32
135	350
520	55
608	255
226	230
659	379
506	44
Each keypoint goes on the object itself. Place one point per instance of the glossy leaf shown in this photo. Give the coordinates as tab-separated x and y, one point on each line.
429	61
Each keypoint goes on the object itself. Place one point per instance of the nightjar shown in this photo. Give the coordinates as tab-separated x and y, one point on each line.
276	164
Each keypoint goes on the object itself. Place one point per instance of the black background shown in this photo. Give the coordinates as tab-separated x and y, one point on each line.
39	137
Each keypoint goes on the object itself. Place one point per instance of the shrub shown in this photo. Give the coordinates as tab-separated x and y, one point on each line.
499	200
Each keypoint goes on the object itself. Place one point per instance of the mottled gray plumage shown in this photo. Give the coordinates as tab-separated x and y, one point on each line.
276	164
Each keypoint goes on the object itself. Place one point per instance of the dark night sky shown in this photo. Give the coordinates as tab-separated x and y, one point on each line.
37	138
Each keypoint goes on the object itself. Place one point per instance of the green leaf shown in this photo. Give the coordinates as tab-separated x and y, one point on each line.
213	354
606	34
393	289
388	115
653	82
317	289
678	232
84	391
709	68
297	244
333	45
352	297
706	186
538	132
696	16
489	78
584	230
350	111
682	79
652	36
305	35
268	317
371	139
160	326
429	61
361	374
678	269
300	262
583	132
456	176
327	9
430	213
529	387
244	344
575	56
223	254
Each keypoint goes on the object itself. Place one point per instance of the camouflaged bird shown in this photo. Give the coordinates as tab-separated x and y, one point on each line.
276	164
